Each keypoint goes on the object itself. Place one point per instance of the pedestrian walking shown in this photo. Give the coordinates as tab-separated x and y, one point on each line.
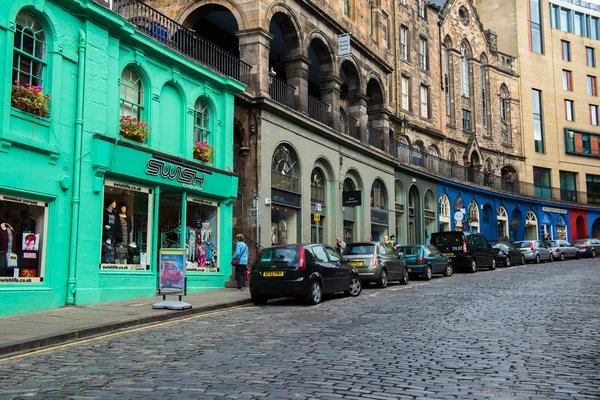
240	262
340	245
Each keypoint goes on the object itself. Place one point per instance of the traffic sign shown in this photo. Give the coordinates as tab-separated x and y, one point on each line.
317	217
318	207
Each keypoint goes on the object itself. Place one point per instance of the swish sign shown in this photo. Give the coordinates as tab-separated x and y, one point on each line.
188	177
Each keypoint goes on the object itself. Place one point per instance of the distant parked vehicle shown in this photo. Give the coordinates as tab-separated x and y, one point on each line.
376	262
424	261
587	247
506	254
467	250
561	249
301	270
533	250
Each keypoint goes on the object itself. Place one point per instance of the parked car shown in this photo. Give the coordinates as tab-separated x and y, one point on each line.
376	262
506	254
425	260
533	250
467	250
561	249
587	247
301	270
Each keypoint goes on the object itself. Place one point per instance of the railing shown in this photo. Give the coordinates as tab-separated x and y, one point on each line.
349	126
375	137
163	29
318	110
282	92
284	182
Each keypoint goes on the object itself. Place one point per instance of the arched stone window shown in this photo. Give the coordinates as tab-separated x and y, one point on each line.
433	159
416	155
317	187
465	78
378	195
29	51
444	213
484	92
201	121
473	216
285	170
132	94
531	226
502	217
504	96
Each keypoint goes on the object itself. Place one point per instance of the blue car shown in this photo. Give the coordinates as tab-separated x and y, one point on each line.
424	260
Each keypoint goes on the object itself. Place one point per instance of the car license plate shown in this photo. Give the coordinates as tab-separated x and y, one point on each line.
410	270
449	254
356	263
273	273
523	251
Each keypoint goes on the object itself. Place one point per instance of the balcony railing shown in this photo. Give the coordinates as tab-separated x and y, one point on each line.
282	92
163	29
349	126
375	137
284	182
318	110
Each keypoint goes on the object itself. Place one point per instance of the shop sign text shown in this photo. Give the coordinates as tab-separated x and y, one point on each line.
554	210
188	177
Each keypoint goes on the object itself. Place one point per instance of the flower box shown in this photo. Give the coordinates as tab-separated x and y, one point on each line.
133	129
30	99
26	124
203	152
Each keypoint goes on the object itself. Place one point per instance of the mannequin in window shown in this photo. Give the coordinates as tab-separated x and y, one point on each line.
124	228
110	234
282	229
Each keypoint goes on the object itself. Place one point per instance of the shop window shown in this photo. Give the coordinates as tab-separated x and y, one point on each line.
23	230
201	121
378	195
202	235
29	51
132	94
126	227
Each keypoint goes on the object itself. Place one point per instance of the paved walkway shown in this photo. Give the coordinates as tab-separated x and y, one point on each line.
32	330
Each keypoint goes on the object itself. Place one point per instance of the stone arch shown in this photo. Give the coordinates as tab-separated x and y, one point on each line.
324	51
357	178
483	58
444	212
286	40
447	42
289	166
464	44
504	91
186	11
375	83
349	68
282	8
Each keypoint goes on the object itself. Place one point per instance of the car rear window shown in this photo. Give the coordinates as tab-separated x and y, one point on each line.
288	255
409	250
447	239
521	244
551	243
579	242
353	249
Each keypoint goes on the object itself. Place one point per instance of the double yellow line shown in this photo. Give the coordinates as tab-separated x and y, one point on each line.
110	335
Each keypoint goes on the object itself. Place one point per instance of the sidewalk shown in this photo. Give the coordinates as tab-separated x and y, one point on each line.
22	332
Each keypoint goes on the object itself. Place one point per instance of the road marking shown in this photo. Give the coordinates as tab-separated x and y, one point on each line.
110	335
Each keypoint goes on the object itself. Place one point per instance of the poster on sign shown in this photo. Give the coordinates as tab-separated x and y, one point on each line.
172	270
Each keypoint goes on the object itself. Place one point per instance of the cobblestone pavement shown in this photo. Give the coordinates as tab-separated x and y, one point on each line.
518	333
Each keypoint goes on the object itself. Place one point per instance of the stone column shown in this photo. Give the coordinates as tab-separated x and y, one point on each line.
357	109
296	69
380	120
255	46
330	94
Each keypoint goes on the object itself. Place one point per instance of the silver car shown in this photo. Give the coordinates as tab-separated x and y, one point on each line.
533	250
561	249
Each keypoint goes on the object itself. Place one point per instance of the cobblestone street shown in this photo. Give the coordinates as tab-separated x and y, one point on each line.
519	333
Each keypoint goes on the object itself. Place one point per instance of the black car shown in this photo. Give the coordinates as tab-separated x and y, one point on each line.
506	254
301	270
588	247
467	250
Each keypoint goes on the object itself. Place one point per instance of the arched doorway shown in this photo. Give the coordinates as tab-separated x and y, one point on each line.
516	225
502	224
217	24
473	216
487	222
596	228
580	226
379	210
531	226
444	213
429	214
414	215
399	208
561	228
285	196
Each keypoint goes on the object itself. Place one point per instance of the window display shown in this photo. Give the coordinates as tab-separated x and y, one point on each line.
125	220
201	235
23	226
283	225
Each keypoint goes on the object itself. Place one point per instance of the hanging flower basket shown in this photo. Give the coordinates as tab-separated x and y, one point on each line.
30	98
514	223
203	152
133	129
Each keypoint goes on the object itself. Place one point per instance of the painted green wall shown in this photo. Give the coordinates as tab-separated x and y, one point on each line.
45	149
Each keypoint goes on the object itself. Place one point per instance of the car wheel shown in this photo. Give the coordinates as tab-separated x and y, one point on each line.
314	296
259	300
405	277
449	270
355	287
537	258
593	255
550	259
383	279
522	260
428	273
493	266
562	256
508	264
473	266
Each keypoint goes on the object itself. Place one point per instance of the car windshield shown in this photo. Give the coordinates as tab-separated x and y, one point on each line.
447	239
409	250
289	255
359	248
579	242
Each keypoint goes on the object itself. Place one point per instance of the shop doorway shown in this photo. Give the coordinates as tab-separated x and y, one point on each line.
169	221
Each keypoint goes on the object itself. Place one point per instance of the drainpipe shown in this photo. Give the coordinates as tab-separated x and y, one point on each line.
257	196
76	171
